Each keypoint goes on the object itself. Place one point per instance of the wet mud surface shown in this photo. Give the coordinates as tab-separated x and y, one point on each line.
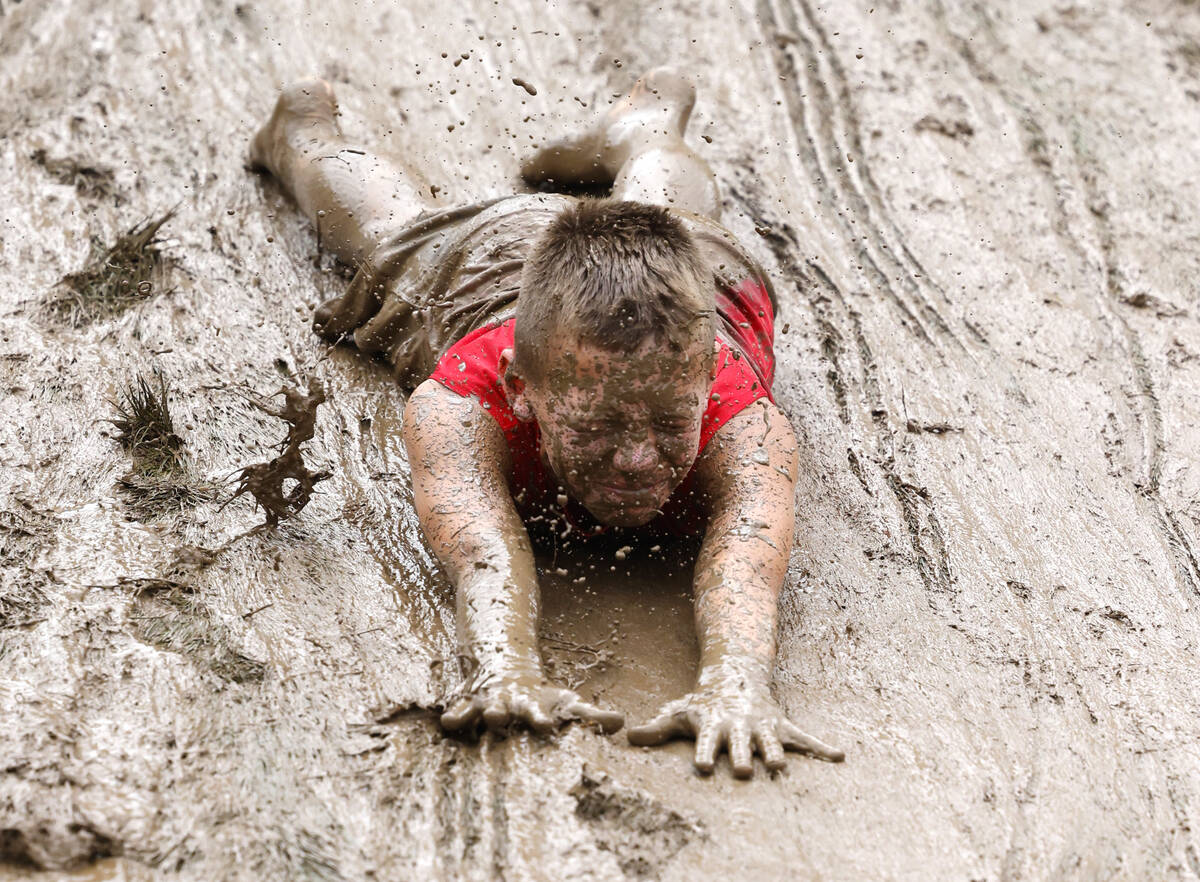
982	223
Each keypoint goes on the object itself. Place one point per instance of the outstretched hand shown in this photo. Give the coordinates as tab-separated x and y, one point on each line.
726	712
523	697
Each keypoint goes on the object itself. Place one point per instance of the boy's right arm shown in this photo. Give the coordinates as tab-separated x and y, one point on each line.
459	460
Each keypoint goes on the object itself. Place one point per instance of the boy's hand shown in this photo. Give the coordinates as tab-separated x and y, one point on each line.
727	711
523	695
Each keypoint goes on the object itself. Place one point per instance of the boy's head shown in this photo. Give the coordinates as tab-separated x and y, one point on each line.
613	354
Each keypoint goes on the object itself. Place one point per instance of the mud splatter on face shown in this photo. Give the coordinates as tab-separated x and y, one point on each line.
621	431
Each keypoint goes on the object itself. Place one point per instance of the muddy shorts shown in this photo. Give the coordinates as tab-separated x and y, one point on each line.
437	279
448	273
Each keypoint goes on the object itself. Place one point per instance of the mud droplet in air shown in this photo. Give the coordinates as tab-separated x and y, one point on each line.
528	87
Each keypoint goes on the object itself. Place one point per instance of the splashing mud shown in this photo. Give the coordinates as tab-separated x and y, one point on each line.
981	222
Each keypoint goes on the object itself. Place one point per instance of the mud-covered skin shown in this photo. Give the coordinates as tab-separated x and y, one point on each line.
619	430
748	474
459	462
638	147
632	420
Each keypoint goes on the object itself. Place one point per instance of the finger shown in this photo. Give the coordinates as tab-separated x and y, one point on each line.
740	756
769	748
661	729
462	712
526	708
708	744
794	739
609	721
496	715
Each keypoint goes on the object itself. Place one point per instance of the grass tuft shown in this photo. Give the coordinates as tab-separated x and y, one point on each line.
91	181
156	496
145	428
116	278
160	482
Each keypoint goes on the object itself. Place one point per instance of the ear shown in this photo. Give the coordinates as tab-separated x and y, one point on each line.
514	387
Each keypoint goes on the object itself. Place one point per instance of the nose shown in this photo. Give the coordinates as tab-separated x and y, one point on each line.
636	456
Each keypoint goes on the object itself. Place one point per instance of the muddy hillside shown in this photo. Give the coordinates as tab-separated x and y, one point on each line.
983	221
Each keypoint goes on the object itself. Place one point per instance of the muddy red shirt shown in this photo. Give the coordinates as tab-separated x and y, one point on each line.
745	371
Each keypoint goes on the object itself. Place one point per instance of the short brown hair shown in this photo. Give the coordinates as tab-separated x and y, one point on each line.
615	273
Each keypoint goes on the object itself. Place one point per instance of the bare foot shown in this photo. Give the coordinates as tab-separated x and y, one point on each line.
302	105
656	109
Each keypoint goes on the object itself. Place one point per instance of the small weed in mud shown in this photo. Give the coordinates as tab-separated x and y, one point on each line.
573	663
144	425
153	496
90	181
160	482
116	278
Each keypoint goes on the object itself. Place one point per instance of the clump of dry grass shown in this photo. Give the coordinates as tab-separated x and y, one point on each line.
92	181
160	482
116	278
154	496
144	425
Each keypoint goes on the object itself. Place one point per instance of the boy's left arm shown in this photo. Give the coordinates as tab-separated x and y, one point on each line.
748	473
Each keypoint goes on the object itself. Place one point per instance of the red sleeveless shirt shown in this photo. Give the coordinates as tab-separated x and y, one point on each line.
745	370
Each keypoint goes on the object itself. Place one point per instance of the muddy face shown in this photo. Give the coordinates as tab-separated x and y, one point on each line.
621	430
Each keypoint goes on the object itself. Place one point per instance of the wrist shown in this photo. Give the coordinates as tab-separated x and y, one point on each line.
743	671
497	659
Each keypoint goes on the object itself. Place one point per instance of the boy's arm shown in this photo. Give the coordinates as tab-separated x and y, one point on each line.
459	460
748	472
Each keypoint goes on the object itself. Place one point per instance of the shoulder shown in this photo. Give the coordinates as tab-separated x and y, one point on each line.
432	404
443	428
755	446
471	368
735	387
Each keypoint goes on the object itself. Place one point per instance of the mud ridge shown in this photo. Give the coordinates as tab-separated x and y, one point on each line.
915	277
1143	400
781	239
821	150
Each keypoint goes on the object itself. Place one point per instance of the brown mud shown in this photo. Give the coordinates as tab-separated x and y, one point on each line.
981	220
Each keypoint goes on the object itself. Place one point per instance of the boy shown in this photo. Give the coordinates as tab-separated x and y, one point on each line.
628	384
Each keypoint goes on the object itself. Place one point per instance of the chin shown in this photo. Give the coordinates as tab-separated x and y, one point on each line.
623	517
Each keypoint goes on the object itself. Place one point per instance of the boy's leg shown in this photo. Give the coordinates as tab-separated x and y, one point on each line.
638	147
352	197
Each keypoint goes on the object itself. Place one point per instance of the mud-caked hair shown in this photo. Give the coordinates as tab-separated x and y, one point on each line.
615	274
